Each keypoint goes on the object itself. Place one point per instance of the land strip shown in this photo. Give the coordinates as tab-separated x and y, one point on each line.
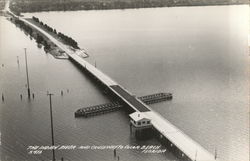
41	39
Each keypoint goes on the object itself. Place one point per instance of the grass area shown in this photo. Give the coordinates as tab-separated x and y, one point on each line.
37	24
58	35
64	5
40	26
40	38
54	50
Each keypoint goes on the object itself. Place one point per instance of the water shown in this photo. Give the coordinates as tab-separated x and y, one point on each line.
197	53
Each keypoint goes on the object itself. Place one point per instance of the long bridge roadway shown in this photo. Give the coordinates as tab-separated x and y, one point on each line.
189	148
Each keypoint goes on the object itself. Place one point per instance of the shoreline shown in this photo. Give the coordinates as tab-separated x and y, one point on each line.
82	5
21	14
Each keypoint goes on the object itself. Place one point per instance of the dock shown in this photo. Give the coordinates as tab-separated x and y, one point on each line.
98	109
155	98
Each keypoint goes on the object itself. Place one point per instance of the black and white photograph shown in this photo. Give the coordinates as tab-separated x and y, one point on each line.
124	80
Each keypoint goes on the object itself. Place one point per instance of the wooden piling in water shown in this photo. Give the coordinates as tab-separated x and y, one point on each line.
2	97
114	152
17	60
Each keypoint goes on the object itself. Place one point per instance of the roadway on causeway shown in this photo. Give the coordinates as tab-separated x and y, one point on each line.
131	99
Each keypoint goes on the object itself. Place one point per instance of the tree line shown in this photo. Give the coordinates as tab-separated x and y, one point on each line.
66	39
69	5
39	38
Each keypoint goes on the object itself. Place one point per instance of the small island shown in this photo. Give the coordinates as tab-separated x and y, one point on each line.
43	41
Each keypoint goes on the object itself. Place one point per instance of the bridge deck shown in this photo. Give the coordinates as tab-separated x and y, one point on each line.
188	146
131	99
96	72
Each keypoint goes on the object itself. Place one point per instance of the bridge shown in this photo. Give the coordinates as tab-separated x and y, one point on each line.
182	145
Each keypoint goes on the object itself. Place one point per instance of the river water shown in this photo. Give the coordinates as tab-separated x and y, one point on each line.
199	54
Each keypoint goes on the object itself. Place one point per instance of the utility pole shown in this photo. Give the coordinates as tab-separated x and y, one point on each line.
52	130
195	155
27	73
215	153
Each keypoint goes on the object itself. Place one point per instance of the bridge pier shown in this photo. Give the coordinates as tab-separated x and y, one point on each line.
171	146
142	133
91	76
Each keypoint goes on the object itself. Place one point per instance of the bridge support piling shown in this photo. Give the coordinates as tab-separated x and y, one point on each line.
2	97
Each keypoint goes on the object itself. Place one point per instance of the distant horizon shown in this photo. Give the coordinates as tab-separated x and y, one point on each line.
57	5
